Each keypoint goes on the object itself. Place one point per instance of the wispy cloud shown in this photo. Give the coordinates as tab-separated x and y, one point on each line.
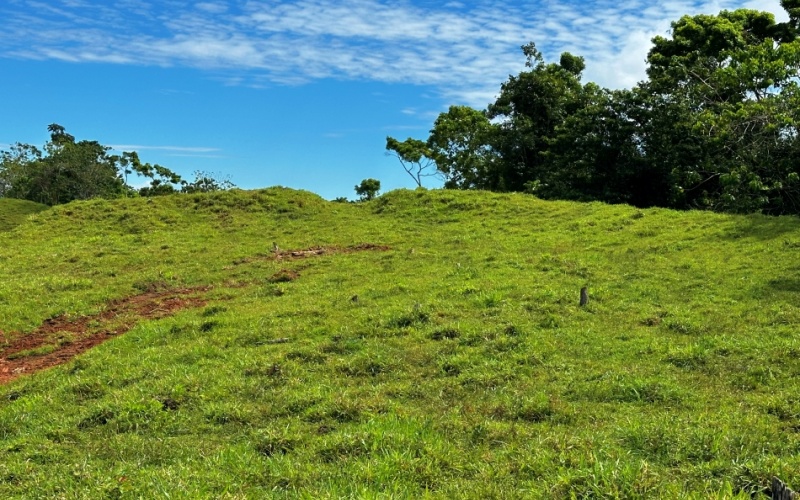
175	150
195	156
465	50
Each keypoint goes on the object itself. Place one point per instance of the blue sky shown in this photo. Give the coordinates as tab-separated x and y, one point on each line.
300	94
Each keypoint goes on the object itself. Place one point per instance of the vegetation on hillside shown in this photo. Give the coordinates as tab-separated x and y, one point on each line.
715	125
456	363
66	170
14	212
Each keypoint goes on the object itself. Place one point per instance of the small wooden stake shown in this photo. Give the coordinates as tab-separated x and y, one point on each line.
584	296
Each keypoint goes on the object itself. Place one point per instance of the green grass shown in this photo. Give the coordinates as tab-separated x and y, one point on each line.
14	212
457	364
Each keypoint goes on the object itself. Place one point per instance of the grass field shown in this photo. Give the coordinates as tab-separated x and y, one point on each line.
424	344
14	212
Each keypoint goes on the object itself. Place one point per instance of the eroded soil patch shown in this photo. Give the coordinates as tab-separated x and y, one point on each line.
62	338
313	252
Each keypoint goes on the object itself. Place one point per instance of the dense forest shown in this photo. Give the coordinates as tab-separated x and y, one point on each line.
714	125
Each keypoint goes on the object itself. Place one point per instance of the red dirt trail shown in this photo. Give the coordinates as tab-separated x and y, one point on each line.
60	339
70	337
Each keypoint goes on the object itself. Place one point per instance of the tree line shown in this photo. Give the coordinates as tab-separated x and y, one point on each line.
715	125
65	170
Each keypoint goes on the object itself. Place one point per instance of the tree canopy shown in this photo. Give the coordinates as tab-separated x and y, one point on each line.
715	125
65	170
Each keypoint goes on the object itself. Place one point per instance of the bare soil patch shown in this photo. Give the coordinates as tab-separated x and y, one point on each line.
62	338
314	252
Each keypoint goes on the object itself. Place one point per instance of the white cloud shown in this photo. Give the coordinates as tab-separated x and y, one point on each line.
175	149
464	49
212	7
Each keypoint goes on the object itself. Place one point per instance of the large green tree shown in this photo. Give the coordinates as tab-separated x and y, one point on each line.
461	144
715	125
66	170
529	108
731	80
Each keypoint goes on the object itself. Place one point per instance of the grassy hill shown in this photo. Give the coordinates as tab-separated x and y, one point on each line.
14	212
424	344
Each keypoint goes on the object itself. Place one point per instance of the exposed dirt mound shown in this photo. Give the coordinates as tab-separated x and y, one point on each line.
313	252
310	252
284	276
61	338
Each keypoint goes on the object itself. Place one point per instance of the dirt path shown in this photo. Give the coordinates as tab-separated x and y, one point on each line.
62	338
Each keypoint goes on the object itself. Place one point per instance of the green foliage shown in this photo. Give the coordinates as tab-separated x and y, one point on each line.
414	155
205	182
459	144
67	170
715	126
464	368
368	189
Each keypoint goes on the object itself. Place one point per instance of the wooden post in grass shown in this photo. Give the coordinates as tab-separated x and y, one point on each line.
584	296
782	492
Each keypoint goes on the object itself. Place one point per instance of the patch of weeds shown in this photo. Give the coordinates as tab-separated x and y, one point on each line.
748	481
87	390
178	329
341	347
364	367
284	276
489	300
342	412
273	443
14	395
504	344
346	447
683	327
222	414
415	317
168	403
533	411
690	359
651	442
77	365
613	388
29	353
654	320
207	326
752	378
455	365
213	311
476	339
306	356
137	415
270	370
550	321
447	333
97	418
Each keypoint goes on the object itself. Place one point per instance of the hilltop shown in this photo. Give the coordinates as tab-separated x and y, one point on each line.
14	212
425	343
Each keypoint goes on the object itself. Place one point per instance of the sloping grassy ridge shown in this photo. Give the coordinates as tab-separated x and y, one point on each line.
456	364
14	212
